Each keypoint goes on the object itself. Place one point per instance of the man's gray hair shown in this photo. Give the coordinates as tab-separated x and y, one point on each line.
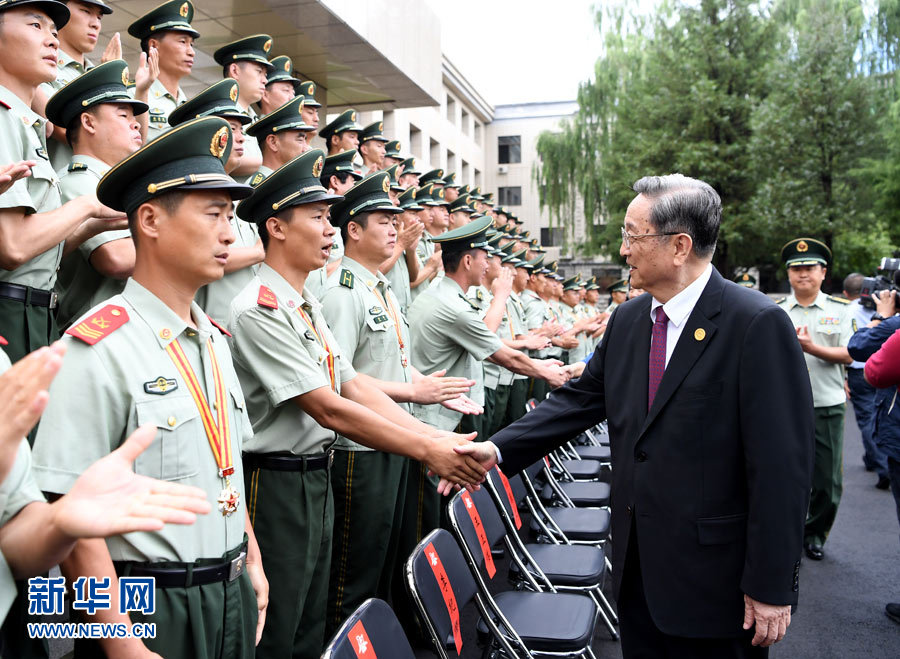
684	205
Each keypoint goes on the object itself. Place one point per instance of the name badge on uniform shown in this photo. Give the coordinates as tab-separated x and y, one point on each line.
376	310
42	152
161	386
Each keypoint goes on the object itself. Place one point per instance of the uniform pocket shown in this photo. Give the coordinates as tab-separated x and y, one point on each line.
722	530
381	332
175	453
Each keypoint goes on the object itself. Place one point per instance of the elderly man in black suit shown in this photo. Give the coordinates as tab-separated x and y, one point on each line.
711	428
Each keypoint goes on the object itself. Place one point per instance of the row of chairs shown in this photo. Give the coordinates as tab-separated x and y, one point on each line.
557	596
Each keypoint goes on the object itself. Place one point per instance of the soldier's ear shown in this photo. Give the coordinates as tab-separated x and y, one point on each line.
275	228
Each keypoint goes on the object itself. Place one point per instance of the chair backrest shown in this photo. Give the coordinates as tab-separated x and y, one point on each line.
530	404
441	584
478	526
371	631
535	471
495	481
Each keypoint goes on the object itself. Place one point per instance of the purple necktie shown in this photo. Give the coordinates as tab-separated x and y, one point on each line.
657	354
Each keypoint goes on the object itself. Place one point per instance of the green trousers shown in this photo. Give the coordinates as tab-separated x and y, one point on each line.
368	511
518	396
539	389
827	473
292	514
212	621
501	402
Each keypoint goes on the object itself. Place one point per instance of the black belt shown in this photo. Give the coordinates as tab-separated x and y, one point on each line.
186	575
288	461
28	295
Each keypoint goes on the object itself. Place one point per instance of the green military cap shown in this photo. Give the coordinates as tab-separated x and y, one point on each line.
175	15
374	131
104	8
431	196
57	11
450	180
249	49
392	150
745	279
341	162
283	71
409	166
293	184
105	83
469	236
370	194
553	266
345	121
488	198
189	157
219	100
461	204
288	117
571	284
493	241
408	200
434	176
805	251
463	190
620	286
476	192
308	89
392	173
515	218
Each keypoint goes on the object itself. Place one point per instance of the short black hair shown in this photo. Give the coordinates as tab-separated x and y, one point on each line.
325	179
362	220
451	260
853	284
170	202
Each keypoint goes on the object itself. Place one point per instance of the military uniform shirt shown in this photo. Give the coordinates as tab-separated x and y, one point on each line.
424	251
277	358
127	379
80	286
448	333
23	139
261	174
481	297
161	104
830	324
515	312
67	69
252	150
354	308
536	314
398	276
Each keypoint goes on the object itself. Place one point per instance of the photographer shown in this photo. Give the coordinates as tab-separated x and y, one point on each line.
879	346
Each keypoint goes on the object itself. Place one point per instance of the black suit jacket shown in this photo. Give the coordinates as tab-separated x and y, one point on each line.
716	476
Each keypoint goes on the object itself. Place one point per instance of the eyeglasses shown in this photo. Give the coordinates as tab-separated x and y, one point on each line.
628	238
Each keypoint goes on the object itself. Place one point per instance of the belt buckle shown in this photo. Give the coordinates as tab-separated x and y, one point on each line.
238	564
54	297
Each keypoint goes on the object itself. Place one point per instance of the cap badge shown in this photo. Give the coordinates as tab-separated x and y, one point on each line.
380	126
184	10
125	76
317	167
219	142
267	46
802	246
414	193
287	65
385	185
352	116
399	148
441	193
233	93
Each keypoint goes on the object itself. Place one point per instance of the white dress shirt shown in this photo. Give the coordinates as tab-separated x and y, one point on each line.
679	308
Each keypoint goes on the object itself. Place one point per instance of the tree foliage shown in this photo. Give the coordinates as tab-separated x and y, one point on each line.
787	108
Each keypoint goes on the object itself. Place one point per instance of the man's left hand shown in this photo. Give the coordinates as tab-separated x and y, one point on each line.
771	621
804	338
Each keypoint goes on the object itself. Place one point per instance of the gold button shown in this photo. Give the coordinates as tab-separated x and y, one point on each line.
115	312
172	421
215	404
191	333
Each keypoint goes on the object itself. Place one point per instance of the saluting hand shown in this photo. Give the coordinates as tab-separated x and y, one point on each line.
147	73
771	621
113	49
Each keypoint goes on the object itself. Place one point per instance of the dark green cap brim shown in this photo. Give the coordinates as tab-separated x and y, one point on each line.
57	11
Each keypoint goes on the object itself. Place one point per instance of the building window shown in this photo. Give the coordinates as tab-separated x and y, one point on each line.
434	153
464	179
478	182
451	161
415	141
477	136
551	237
451	110
509	149
511	196
464	122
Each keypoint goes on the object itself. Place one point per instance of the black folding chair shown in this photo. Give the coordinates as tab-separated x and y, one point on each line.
571	494
371	631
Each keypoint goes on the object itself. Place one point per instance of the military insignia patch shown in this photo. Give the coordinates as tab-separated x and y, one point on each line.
380	126
100	325
42	152
287	65
318	164
802	246
441	193
380	319
77	167
352	116
267	46
399	147
347	279
440	173
300	107
161	386
219	142
233	93
184	10
414	191
385	185
376	310
479	294
257	179
267	298
125	76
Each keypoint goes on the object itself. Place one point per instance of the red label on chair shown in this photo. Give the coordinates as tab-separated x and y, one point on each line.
360	642
446	592
482	536
547	461
511	497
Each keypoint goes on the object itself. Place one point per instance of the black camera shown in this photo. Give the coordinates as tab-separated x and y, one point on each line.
888	279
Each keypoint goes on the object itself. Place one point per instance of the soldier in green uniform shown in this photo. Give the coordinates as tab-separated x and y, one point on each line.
34	224
435	222
246	252
371	147
460	212
392	155
311	106
281	85
245	60
409	178
166	30
369	486
280	137
101	125
618	293
342	134
77	39
403	265
824	324
299	396
574	320
746	280
178	376
451	188
434	177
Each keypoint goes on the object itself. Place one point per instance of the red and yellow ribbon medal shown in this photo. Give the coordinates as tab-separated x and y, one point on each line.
329	355
218	434
388	305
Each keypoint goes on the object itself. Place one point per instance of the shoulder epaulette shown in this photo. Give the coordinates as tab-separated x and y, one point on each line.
77	167
267	298
258	178
347	278
780	300
469	302
840	300
5	105
479	294
218	327
100	325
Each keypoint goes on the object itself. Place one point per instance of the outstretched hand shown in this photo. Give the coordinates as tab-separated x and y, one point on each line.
437	388
456	468
464	405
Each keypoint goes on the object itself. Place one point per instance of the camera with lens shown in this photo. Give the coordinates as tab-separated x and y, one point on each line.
888	279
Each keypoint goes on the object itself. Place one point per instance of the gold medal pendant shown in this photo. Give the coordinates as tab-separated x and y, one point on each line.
229	499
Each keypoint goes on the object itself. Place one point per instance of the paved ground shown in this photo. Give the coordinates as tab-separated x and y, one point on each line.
842	598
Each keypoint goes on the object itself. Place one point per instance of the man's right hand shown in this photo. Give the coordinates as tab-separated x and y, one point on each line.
502	285
886	303
409	235
536	342
11	173
552	372
455	467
